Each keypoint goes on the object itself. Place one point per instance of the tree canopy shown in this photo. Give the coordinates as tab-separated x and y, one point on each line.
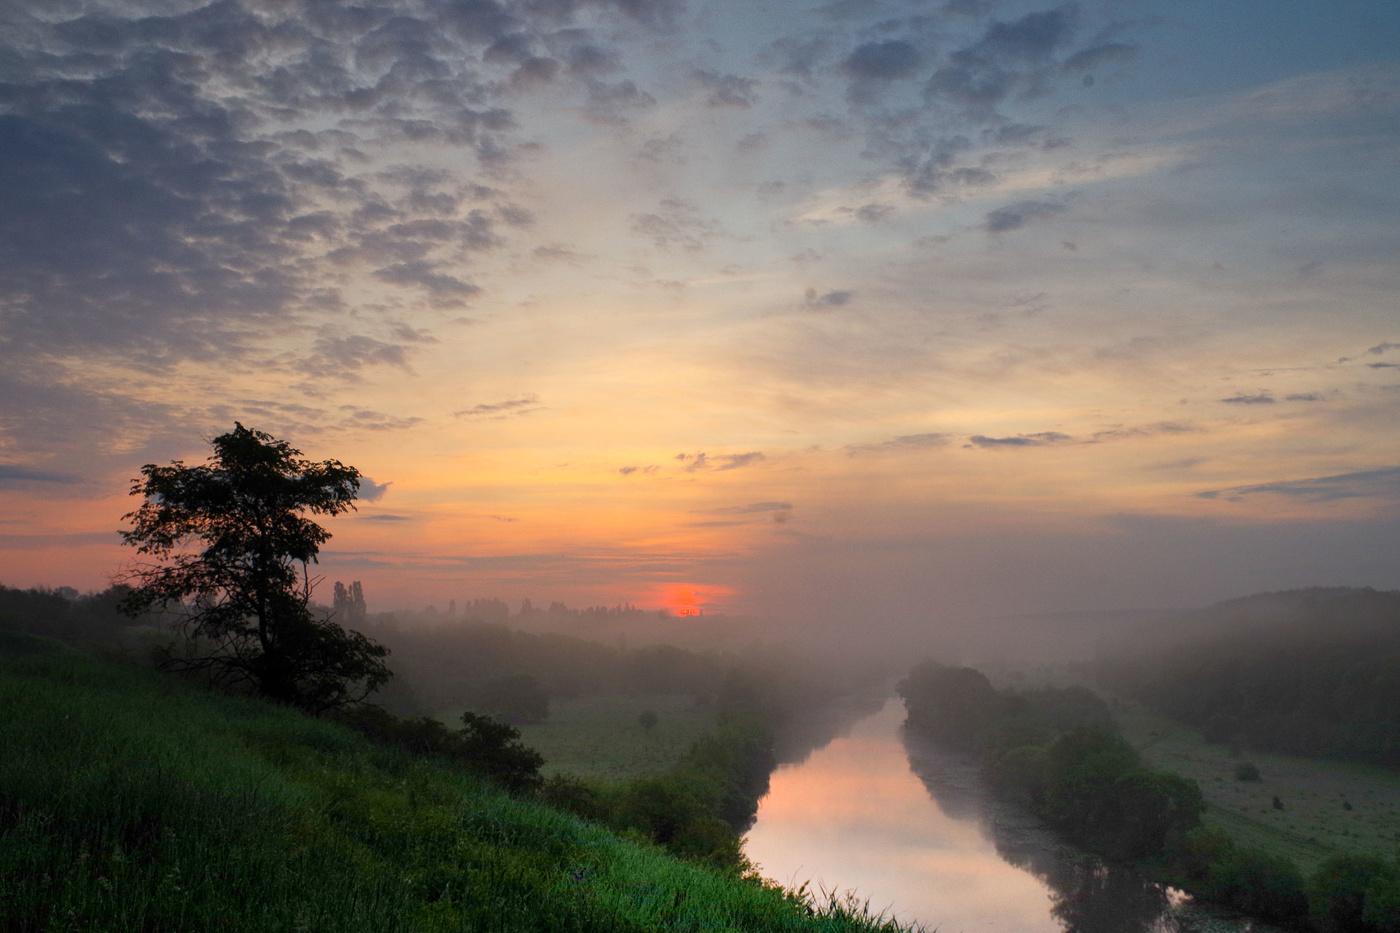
230	543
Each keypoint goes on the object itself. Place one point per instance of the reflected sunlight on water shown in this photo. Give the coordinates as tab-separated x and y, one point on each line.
854	816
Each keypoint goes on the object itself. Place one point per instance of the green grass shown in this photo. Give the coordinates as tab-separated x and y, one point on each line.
129	801
599	738
1314	823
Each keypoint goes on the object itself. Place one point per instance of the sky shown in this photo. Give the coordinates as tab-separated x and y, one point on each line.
863	313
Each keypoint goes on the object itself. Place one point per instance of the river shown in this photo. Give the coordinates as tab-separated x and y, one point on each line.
908	828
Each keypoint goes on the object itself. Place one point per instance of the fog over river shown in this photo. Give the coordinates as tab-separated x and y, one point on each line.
909	827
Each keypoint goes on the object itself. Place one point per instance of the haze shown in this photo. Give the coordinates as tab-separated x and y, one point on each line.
863	315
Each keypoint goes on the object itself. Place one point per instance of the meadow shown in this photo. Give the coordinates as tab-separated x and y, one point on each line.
131	800
1329	807
602	738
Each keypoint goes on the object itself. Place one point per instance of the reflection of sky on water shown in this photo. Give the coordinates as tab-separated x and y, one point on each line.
853	816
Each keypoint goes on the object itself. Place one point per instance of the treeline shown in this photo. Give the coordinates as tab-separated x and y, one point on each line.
1058	752
65	614
1314	673
481	665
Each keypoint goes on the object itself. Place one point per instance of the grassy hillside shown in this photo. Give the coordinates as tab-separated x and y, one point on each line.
131	801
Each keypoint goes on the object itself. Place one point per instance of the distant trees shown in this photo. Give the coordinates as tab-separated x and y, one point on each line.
231	542
1056	750
349	604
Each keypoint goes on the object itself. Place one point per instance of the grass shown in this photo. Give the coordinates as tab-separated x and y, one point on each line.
599	737
1314	822
131	801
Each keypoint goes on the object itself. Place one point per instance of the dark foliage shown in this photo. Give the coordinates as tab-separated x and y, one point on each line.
483	744
232	543
1056	750
1355	894
63	614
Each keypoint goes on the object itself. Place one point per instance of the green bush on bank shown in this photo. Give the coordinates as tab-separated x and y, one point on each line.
129	800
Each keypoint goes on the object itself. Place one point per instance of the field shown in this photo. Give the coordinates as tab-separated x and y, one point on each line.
1315	821
600	738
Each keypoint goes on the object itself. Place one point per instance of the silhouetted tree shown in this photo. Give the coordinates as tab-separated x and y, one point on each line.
232	544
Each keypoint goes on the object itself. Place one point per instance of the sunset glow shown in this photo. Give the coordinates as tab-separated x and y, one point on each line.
857	314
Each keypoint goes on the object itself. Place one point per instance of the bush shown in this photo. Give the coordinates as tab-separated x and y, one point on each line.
1247	771
1338	893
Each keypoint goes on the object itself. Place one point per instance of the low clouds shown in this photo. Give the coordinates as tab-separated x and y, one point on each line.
1015	216
1377	484
504	409
904	443
1259	398
12	475
694	463
821	301
1040	439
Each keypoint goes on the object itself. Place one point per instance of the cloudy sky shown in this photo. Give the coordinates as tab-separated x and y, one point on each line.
868	309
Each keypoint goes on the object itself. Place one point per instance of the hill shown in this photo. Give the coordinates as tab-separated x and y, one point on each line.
1311	672
130	800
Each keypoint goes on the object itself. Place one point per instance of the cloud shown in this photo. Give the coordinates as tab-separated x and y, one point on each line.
422	275
874	65
1383	347
385	517
726	90
371	491
1020	440
1261	398
702	461
752	508
14	475
736	461
1015	216
1010	57
516	406
676	223
1304	397
1109	53
346	356
904	443
835	299
1161	427
1378	484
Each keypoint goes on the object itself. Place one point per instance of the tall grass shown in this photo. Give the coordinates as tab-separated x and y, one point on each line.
129	801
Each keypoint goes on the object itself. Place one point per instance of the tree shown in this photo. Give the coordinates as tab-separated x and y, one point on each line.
648	720
231	543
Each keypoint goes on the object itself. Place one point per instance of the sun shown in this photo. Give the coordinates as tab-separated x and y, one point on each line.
687	599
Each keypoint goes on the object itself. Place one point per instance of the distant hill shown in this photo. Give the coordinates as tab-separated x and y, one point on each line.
1311	672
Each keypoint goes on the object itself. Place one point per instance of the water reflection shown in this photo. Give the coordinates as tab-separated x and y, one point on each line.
911	828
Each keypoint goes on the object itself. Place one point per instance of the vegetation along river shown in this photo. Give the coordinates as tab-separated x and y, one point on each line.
910	828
